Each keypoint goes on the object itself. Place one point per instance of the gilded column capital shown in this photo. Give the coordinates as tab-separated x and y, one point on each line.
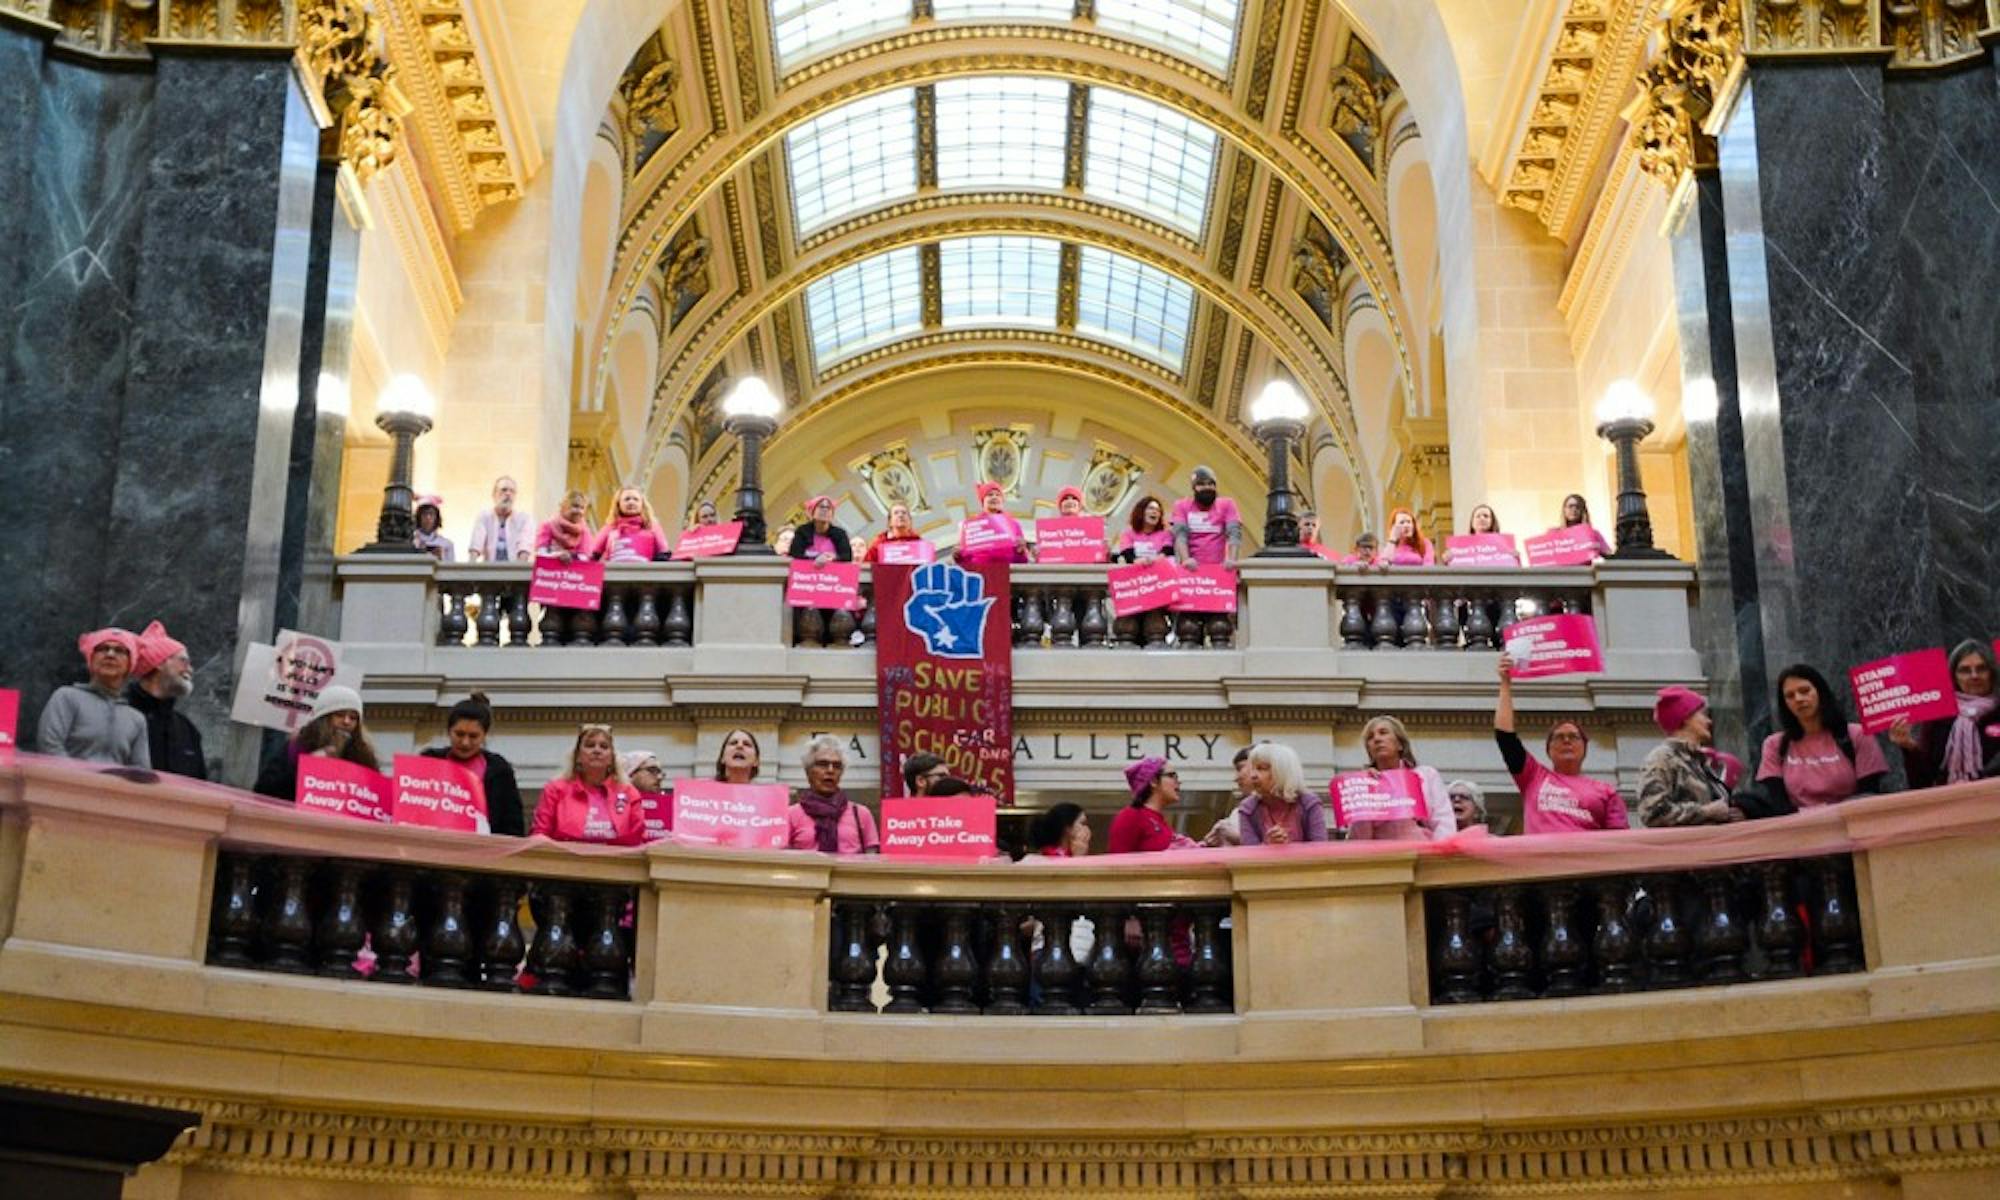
1912	33
344	66
1686	88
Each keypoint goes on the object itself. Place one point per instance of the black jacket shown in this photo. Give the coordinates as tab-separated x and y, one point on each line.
172	739
503	794
802	540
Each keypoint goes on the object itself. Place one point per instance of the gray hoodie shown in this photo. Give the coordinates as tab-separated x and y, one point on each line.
82	722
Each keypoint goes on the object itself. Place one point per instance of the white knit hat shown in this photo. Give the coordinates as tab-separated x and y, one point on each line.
336	698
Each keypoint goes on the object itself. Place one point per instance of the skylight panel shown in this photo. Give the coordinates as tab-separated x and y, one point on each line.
801	29
1149	158
1004	10
1001	132
999	280
868	304
1204	30
1130	304
853	159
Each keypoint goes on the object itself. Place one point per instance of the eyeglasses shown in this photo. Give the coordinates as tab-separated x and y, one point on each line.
825	765
1170	774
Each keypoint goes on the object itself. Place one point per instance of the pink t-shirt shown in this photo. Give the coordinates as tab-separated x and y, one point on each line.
1208	528
1146	545
822	546
1816	772
1402	554
1008	551
1552	803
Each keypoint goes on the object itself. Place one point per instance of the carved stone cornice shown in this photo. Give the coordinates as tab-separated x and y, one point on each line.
1913	33
472	141
390	1149
1572	111
354	87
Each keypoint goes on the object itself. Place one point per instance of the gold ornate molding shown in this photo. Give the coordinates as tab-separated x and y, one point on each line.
357	88
1685	89
460	118
1572	111
1914	33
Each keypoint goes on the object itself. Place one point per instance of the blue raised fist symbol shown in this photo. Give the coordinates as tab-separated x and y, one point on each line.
947	608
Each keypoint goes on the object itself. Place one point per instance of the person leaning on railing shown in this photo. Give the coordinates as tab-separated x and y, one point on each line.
1574	513
993	508
93	721
1387	744
1817	757
1208	529
1141	826
1061	831
1406	545
1683	781
335	730
590	801
819	540
567	534
821	816
631	533
468	725
1148	536
1279	811
901	529
1558	798
1962	748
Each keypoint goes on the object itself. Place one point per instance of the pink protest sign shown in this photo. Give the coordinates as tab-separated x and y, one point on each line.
742	816
1143	587
1482	550
985	534
1917	685
1070	540
941	827
1206	590
438	794
339	788
909	552
10	717
832	585
1377	796
709	541
559	584
656	813
1565	644
1578	545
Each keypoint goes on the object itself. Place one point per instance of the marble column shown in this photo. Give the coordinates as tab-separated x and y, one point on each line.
1728	630
1862	253
152	380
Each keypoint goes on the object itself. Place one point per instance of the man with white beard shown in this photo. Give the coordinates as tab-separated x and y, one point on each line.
162	676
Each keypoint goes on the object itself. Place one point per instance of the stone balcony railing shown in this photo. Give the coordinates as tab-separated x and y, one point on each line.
681	652
168	940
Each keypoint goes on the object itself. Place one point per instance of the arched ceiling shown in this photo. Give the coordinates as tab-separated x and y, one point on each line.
1174	192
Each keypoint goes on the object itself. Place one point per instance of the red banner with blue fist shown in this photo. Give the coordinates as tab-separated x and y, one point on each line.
944	669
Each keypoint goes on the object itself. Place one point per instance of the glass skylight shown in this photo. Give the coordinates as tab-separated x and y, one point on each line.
1001	133
1004	10
1204	30
1130	304
801	29
999	280
1149	158
870	303
852	159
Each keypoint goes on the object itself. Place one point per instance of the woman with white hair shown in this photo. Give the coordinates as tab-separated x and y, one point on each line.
1279	811
821	816
1468	805
1387	745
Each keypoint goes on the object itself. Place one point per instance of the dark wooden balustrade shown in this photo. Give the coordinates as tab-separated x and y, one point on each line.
1397	614
1638	933
970	958
1057	616
437	928
644	613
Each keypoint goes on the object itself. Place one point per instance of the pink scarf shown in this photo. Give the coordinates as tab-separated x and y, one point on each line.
1962	760
567	534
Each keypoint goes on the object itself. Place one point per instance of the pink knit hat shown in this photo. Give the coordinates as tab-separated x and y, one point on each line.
1069	493
1141	775
1675	705
983	487
155	647
89	643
